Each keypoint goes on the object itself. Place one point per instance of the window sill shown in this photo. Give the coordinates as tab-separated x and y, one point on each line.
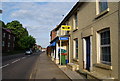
103	66
76	60
75	29
102	13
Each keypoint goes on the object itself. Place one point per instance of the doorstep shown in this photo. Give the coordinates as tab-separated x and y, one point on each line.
71	74
73	67
95	75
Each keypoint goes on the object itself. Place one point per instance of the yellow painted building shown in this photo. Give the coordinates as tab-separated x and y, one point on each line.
94	39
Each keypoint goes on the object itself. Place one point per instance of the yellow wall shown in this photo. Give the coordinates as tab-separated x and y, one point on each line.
89	26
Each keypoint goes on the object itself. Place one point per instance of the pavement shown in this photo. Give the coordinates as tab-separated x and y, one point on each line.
45	68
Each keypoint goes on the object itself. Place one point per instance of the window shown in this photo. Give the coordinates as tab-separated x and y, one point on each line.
102	6
9	36
14	38
3	34
3	43
76	48
57	33
8	44
75	21
105	54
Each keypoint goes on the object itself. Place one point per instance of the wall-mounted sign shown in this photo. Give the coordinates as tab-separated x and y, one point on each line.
63	38
66	27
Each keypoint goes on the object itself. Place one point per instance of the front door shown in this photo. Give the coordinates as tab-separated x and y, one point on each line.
88	46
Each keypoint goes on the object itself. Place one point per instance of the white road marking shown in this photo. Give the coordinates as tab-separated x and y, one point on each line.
4	66
18	59
23	57
15	61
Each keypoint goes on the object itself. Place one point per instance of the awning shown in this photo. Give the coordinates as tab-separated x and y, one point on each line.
53	44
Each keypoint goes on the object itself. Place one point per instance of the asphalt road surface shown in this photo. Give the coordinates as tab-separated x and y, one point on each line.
20	67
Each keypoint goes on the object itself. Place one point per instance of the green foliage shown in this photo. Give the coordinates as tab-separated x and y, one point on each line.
17	29
27	42
23	40
2	24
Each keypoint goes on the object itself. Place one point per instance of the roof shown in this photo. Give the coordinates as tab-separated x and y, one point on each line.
7	30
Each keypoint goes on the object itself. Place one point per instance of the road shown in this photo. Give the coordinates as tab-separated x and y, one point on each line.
31	67
20	67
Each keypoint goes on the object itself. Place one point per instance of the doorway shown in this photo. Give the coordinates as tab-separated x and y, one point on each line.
87	53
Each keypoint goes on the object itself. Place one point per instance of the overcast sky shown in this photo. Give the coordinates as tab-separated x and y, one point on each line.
38	17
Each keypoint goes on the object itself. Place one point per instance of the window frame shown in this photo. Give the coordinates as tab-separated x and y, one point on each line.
76	48
75	21
8	44
3	43
4	34
98	10
14	38
9	36
101	46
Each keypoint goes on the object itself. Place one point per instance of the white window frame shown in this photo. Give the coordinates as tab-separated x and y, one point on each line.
98	7
14	38
74	21
9	36
8	44
74	52
100	46
3	43
58	33
4	34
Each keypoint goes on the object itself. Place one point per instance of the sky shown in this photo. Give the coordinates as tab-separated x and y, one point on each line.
38	17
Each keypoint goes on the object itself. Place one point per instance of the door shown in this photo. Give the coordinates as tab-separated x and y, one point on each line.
88	48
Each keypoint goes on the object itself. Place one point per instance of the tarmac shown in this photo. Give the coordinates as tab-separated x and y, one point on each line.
45	68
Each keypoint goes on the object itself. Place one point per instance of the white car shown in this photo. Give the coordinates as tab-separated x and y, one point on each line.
28	52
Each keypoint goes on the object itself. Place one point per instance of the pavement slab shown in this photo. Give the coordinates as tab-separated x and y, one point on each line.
46	69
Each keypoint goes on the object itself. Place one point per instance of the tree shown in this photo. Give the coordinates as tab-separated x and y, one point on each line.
27	42
18	30
2	24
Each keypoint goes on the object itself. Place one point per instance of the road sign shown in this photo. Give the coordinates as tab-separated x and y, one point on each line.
66	27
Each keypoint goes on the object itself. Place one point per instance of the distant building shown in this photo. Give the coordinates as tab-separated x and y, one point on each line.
8	40
43	49
39	47
53	34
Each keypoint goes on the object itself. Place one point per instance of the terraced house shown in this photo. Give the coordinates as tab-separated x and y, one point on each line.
94	39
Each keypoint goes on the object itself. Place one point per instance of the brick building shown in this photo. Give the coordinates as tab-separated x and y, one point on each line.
8	40
53	34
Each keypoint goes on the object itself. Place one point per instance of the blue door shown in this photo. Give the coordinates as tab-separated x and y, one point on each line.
88	46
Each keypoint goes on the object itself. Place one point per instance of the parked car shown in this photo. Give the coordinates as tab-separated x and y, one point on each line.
28	52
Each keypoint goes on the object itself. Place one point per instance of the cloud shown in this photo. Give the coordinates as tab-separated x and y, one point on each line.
38	17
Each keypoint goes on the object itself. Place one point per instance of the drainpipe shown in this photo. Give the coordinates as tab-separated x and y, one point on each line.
69	51
60	52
